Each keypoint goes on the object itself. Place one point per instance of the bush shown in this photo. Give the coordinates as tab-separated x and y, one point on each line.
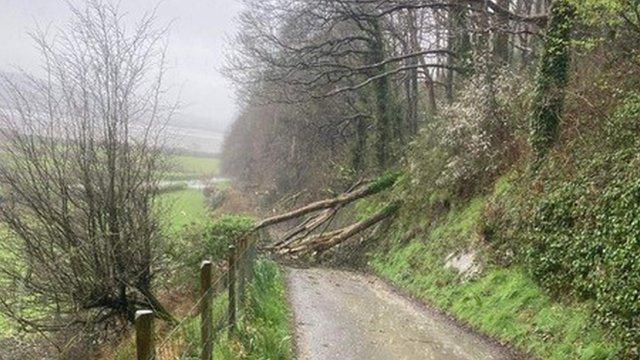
222	232
209	241
473	139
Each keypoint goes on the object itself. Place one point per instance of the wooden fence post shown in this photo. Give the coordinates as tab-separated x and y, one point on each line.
206	321
252	257
242	272
145	349
232	289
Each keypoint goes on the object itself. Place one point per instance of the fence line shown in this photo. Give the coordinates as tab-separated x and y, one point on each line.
241	257
206	320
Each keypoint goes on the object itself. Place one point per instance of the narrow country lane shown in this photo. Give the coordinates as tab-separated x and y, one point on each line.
344	315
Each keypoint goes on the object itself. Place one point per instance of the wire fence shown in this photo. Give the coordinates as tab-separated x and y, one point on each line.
234	280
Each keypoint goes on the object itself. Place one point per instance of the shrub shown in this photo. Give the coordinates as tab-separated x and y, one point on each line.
473	139
222	232
209	241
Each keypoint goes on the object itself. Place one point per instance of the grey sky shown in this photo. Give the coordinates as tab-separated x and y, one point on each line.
197	41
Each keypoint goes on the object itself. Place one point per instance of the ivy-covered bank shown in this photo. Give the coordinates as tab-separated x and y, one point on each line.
580	237
550	253
505	302
553	258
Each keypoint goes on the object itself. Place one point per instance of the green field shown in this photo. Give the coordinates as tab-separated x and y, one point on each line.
195	165
187	206
184	207
183	167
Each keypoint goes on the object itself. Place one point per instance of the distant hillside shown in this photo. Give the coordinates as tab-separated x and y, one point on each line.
14	77
185	132
192	139
195	134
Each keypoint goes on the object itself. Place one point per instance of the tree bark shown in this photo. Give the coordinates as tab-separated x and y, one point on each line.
412	78
459	45
551	79
383	98
501	37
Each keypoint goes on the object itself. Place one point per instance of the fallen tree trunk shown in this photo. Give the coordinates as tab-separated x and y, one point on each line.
300	238
306	228
312	223
323	242
380	184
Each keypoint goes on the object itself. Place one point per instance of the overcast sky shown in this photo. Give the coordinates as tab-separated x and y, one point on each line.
197	41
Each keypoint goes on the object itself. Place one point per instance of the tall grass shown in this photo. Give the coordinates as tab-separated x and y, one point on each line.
263	327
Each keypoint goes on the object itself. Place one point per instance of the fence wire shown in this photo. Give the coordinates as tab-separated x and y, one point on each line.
166	339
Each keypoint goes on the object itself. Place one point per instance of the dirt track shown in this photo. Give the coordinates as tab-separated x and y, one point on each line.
344	315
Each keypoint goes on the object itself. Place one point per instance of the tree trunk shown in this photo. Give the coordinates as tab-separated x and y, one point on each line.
501	37
359	146
459	45
451	44
412	78
383	99
552	79
525	51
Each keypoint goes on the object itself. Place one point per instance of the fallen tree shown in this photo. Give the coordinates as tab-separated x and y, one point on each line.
312	223
323	242
307	236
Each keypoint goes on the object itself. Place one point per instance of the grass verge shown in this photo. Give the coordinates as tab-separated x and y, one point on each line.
263	331
504	303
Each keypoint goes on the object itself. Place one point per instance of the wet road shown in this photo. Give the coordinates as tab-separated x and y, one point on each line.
343	315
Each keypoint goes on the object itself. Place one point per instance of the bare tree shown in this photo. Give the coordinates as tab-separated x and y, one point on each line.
83	157
301	51
352	81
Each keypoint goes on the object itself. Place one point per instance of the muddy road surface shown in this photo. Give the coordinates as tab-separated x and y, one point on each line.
343	315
